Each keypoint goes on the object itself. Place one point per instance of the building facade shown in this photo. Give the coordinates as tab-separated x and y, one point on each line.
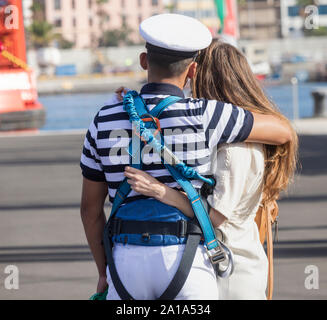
83	21
260	19
203	10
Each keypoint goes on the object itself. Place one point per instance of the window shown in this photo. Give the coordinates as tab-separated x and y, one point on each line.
139	3
123	3
73	4
155	3
58	23
293	11
74	22
57	4
90	21
322	9
90	4
123	20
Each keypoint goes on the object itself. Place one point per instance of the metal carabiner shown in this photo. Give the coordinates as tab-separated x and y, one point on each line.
230	268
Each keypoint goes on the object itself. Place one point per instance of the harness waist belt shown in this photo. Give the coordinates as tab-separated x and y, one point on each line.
179	229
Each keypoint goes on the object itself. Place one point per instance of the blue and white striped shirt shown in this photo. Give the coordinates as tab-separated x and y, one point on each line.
192	129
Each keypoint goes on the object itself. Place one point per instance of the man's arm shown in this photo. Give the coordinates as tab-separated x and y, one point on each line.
269	129
94	220
226	123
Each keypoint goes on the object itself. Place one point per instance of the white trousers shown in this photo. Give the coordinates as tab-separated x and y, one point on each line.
146	273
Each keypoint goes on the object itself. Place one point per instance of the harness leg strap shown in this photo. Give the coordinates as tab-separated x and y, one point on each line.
121	290
177	283
183	271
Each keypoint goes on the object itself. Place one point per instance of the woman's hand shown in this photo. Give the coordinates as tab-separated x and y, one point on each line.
145	184
120	92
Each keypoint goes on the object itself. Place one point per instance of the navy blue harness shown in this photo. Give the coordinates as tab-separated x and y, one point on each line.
150	222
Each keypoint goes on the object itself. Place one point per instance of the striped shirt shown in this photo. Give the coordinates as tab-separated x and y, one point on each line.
192	129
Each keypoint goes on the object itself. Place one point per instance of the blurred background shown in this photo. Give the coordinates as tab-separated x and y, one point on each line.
61	60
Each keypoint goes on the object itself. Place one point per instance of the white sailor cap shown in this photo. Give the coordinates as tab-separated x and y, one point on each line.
175	35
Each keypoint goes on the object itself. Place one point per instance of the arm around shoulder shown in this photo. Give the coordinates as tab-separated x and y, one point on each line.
269	129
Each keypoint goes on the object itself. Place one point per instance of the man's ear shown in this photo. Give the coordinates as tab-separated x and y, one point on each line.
192	70
144	60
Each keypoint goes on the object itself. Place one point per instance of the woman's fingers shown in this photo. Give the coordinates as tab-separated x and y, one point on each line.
137	174
140	187
135	177
143	183
120	93
133	170
120	90
129	174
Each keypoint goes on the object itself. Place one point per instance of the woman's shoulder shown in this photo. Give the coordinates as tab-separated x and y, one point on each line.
246	155
242	149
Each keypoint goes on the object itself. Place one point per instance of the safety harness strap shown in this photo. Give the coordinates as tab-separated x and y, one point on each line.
198	208
178	282
179	279
121	290
136	146
136	107
179	229
122	193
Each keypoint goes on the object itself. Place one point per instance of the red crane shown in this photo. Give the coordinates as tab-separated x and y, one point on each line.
19	106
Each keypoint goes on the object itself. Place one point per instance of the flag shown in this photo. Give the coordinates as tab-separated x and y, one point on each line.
220	5
227	15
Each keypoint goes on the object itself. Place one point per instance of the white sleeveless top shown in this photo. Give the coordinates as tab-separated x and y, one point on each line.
239	170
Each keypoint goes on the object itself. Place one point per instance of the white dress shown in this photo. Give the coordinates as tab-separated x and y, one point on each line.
239	170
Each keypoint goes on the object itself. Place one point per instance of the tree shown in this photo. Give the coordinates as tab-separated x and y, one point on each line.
40	32
116	37
63	43
305	3
171	7
102	13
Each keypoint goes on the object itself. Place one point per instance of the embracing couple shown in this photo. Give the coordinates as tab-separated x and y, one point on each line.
228	130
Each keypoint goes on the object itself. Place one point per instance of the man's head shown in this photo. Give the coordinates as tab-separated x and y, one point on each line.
163	67
173	42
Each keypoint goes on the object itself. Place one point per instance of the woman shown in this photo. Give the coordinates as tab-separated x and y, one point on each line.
247	175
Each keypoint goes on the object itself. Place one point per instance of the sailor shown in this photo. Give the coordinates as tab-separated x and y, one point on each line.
146	257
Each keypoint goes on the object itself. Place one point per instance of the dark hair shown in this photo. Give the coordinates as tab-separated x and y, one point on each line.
168	66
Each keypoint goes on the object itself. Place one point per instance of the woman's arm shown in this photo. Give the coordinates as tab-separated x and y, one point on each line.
145	184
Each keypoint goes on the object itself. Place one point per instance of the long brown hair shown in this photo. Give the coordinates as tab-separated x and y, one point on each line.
224	74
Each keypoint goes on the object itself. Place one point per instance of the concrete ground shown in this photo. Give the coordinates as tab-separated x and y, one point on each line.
41	232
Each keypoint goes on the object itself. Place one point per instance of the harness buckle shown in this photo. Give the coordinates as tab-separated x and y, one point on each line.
182	226
217	255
